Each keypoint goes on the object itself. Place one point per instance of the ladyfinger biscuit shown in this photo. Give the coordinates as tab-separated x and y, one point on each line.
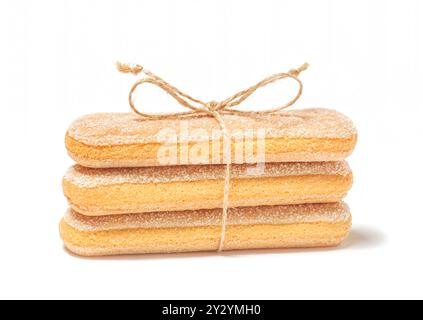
127	140
97	192
296	226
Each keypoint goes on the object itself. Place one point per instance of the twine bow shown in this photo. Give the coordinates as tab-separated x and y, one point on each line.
213	108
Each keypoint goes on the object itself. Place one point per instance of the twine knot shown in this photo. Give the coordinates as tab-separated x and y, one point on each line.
214	109
213	105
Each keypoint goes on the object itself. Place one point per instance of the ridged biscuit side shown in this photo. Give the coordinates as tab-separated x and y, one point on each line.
98	192
195	239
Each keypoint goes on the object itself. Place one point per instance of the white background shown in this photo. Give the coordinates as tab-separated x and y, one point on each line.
56	63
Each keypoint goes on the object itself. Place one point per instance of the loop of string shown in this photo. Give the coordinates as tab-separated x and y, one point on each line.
214	109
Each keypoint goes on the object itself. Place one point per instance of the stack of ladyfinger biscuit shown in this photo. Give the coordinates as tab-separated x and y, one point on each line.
156	186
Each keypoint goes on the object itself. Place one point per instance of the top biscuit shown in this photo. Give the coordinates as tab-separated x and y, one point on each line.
126	140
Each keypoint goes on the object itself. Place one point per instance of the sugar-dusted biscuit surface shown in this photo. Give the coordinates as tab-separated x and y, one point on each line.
313	225
127	140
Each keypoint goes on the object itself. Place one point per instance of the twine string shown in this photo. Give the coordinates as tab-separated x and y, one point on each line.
213	108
